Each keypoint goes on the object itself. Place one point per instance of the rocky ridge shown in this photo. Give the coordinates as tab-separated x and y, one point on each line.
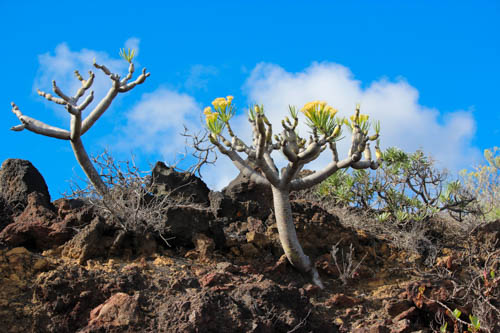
64	268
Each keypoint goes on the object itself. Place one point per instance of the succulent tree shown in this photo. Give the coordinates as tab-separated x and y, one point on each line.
326	130
80	125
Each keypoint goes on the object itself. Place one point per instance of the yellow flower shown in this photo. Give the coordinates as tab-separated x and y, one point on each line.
229	99
361	118
332	111
219	102
207	110
306	107
210	117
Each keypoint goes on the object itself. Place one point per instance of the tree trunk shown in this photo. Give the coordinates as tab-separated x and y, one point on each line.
85	163
288	235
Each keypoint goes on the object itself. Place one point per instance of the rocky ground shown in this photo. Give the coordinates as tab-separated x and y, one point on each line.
64	268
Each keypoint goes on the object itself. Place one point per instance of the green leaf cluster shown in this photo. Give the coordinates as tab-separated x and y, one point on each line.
483	181
407	187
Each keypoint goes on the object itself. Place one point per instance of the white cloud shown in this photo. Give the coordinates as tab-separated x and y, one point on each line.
199	76
153	125
155	122
405	123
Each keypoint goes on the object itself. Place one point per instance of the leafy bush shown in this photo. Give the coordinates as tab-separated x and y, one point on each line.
484	183
406	187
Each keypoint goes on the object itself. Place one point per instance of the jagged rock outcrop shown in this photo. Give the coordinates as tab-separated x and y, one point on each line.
168	181
253	199
19	178
40	227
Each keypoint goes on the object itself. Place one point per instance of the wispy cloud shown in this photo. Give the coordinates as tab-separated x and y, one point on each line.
199	76
155	122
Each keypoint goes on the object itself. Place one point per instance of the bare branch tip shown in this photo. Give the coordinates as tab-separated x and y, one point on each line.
18	128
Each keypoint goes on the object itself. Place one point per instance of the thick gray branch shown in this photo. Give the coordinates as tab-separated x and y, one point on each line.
86	84
86	102
365	164
60	93
319	176
242	166
137	81
99	109
51	98
37	126
87	166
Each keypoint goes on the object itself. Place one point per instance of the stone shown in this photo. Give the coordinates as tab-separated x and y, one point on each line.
411	313
93	241
402	326
248	250
183	222
258	239
19	178
35	228
17	251
184	185
342	301
259	198
204	245
213	279
118	310
5	213
393	309
223	206
489	234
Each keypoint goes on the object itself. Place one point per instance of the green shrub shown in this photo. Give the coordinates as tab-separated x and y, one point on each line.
484	183
407	187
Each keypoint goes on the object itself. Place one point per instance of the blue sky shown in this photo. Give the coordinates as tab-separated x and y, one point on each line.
428	70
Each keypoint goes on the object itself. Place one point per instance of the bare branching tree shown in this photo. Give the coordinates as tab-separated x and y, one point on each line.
79	125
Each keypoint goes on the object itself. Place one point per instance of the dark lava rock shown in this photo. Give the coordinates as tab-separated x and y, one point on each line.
183	223
255	199
40	227
250	306
5	213
94	240
489	234
100	239
18	178
68	295
34	228
167	181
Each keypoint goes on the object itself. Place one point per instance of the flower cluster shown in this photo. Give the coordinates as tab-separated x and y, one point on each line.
361	120
223	111
321	116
